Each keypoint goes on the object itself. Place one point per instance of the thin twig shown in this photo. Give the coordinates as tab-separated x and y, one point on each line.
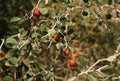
34	9
91	68
3	40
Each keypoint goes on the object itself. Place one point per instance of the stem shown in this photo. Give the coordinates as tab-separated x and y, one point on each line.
3	40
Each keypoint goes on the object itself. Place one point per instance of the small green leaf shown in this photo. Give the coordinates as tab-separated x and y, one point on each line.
27	62
91	78
111	58
24	33
44	11
15	19
51	31
43	27
72	4
101	74
70	31
63	20
50	75
13	60
8	78
11	52
34	34
119	69
62	28
109	2
30	79
42	67
75	37
7	63
59	45
11	41
82	61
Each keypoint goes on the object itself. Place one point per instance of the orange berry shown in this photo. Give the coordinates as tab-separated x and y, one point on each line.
57	36
72	62
75	55
66	52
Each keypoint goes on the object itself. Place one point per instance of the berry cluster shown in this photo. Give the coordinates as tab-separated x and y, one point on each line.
72	62
57	36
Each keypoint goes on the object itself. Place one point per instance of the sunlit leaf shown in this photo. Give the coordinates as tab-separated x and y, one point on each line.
51	31
8	78
101	74
44	11
111	58
92	78
15	19
59	45
30	79
11	40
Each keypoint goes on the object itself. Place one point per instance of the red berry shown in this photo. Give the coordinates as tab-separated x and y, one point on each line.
36	13
57	36
66	52
72	62
75	55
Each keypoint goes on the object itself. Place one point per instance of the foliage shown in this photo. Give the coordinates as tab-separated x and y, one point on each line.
33	48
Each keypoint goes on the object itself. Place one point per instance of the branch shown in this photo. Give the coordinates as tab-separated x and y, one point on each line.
34	9
3	40
91	68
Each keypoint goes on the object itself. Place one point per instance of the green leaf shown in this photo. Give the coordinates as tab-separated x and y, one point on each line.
111	58
13	60
8	78
30	79
11	52
44	11
86	1
59	45
72	4
75	37
70	31
42	67
50	75
91	78
51	31
119	69
15	19
24	33
62	28
115	78
27	62
82	61
34	34
43	27
101	74
109	2
63	20
7	63
11	41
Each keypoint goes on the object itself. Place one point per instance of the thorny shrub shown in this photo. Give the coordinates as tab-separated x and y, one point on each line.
61	40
